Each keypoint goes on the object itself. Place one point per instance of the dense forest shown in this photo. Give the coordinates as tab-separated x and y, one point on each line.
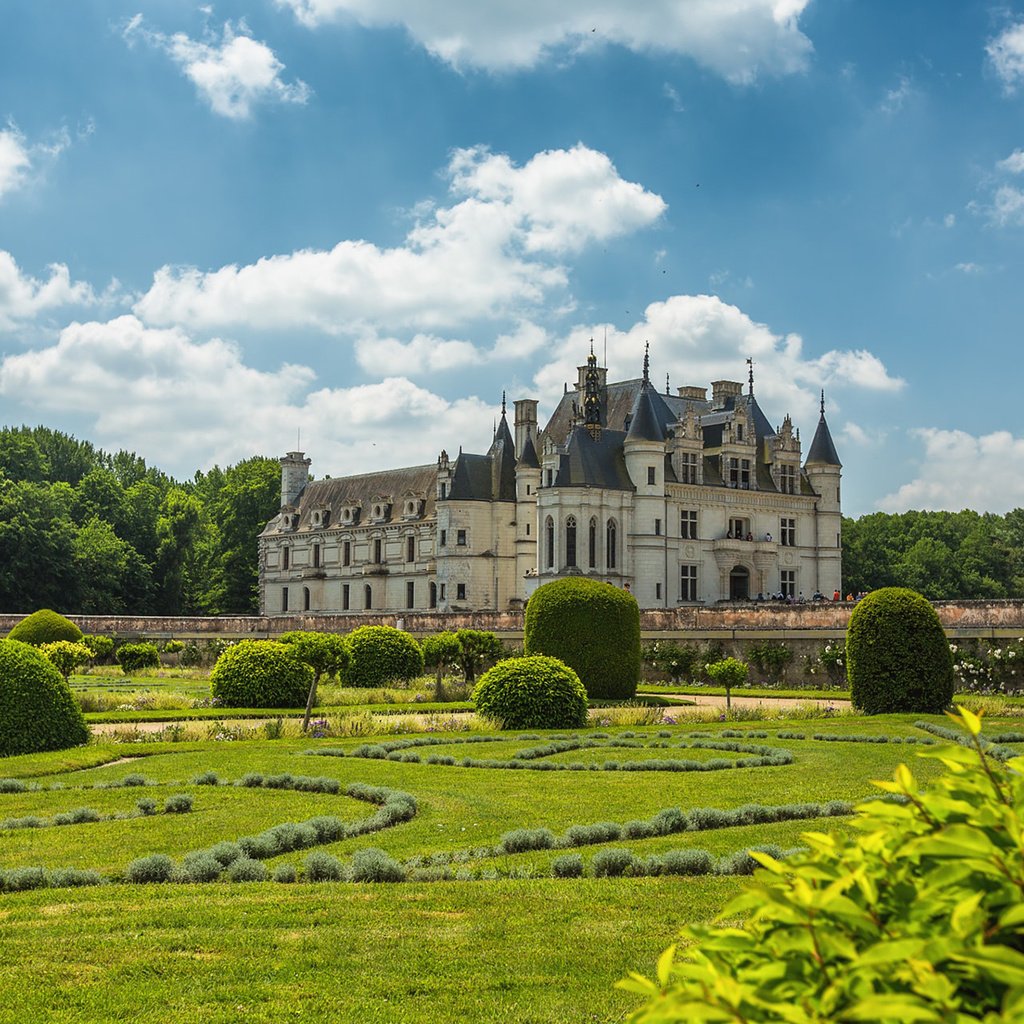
85	531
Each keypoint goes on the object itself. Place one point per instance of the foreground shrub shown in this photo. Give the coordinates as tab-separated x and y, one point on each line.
915	917
322	867
373	865
532	693
569	865
45	627
155	868
246	870
136	657
178	803
593	627
612	863
102	647
897	655
380	655
477	647
520	840
37	711
22	879
260	674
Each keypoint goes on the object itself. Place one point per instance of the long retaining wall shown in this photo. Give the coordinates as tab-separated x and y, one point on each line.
725	622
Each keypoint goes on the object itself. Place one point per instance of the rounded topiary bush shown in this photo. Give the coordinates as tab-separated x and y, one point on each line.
44	627
897	655
591	626
260	674
136	657
381	655
535	692
37	711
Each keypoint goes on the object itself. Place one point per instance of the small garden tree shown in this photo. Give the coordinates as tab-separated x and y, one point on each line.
534	692
381	655
915	916
44	627
37	710
476	648
136	657
66	656
101	647
897	655
325	653
260	674
440	651
593	627
728	672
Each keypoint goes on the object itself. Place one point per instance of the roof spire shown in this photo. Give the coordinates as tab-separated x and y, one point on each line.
822	401
668	386
750	373
647	364
503	404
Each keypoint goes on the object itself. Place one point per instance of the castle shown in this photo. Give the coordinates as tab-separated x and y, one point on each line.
680	498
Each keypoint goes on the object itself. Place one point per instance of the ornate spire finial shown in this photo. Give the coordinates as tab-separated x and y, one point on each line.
503	404
647	364
750	373
668	386
822	401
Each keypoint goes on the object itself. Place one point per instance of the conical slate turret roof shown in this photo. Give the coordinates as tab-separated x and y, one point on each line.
823	450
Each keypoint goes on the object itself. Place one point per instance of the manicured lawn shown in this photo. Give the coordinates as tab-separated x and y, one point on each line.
495	948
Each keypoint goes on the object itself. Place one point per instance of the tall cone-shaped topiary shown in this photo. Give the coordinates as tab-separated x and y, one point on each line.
37	710
897	655
593	627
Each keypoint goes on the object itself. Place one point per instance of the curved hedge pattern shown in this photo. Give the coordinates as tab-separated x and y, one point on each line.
260	674
593	627
897	655
37	711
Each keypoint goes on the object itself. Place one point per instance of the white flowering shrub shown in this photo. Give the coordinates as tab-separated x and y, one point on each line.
980	667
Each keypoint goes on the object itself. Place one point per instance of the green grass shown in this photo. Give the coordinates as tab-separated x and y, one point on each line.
530	951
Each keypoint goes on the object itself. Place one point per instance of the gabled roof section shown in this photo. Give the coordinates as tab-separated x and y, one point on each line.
594	463
823	450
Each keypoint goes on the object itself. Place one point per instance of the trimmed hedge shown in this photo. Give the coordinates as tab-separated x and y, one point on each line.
260	674
593	627
532	693
136	657
380	655
37	711
897	655
44	627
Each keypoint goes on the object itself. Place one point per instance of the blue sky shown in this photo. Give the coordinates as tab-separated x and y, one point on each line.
224	224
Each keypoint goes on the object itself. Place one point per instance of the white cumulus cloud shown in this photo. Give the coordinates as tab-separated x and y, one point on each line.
960	470
22	161
23	297
488	255
741	40
1006	52
233	73
217	409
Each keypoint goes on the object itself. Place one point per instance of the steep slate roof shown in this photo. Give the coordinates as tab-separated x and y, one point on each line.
528	459
361	490
823	450
646	423
590	463
490	477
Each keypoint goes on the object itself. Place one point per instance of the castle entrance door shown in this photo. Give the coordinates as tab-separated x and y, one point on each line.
739	583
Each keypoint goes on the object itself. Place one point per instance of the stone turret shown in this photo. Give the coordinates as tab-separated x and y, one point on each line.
823	471
294	477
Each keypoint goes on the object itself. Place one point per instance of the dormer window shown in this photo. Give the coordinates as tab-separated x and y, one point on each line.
349	515
787	479
321	517
739	431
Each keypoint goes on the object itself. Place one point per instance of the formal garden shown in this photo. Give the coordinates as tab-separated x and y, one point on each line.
371	828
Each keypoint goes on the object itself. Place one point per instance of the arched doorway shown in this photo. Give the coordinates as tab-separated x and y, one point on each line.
739	583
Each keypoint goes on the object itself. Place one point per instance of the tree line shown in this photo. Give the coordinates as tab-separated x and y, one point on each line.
85	531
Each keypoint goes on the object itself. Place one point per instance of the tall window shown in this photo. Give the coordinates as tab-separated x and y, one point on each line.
787	479
688	468
285	557
687	583
611	544
549	542
367	596
657	527
305	599
346	553
433	595
284	598
410	594
378	550
570	541
460	538
592	544
787	533
410	548
316	556
460	591
444	491
688	524
651	474
345	597
787	582
739	473
444	538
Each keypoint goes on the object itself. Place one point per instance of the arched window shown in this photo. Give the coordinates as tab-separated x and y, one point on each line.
592	544
549	537
570	542
611	543
433	595
368	596
305	599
